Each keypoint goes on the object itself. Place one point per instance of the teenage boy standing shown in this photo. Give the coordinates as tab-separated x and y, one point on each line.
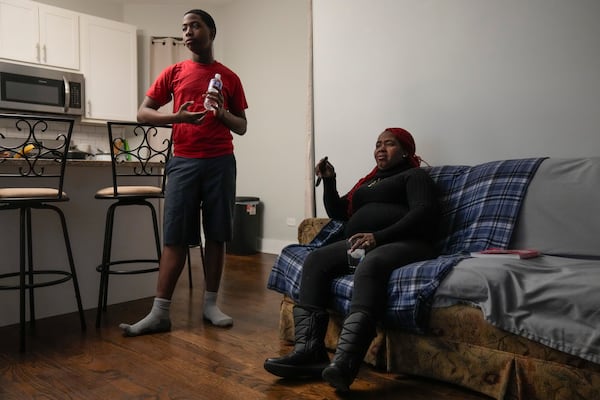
201	175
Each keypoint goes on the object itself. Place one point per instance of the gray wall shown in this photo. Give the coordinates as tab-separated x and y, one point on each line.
105	9
472	80
266	43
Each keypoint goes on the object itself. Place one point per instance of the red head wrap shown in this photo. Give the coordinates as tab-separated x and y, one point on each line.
408	144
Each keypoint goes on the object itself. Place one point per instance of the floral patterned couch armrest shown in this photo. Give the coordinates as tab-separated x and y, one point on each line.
309	228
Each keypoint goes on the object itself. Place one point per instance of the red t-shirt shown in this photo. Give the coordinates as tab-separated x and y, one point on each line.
188	80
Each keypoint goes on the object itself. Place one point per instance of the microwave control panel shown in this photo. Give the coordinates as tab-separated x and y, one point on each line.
76	101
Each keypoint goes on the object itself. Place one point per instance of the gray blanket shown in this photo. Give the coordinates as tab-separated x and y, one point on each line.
551	300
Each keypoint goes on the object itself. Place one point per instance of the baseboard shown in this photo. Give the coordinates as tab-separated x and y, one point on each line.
273	246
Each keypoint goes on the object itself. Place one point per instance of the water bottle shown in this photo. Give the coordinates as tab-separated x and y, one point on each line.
215	85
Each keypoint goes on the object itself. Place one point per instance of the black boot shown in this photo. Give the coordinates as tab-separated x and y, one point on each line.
357	333
309	356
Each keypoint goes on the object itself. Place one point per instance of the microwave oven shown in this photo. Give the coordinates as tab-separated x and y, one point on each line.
36	89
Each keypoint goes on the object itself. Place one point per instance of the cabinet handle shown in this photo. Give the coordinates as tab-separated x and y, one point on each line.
37	53
45	55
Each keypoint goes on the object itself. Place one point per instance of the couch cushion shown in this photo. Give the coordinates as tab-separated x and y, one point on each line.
480	204
561	211
548	299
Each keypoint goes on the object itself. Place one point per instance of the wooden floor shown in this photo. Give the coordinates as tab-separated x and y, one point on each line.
193	361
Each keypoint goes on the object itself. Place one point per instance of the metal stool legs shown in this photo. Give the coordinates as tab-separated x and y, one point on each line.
105	268
189	262
26	276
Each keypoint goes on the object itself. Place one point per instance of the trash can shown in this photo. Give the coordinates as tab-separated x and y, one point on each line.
245	226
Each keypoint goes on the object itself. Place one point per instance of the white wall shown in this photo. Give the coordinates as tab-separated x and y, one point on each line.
267	43
472	80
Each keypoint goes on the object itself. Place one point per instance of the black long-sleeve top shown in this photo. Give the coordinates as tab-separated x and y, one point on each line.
394	205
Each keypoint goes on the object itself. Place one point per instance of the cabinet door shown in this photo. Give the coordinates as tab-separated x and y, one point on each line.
19	31
40	34
109	64
59	37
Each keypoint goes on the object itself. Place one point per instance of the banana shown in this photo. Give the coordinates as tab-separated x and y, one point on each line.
25	150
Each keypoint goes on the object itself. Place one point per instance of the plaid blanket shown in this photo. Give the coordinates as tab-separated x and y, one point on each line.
480	206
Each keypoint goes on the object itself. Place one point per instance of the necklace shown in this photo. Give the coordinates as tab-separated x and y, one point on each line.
373	183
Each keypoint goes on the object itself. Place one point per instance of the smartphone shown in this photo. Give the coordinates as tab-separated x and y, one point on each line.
322	169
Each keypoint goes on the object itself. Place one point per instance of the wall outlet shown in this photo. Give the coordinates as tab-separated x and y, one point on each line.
290	221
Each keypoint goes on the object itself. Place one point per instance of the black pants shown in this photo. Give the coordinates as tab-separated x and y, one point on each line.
371	278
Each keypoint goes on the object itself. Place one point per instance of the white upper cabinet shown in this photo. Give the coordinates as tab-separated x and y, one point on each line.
109	65
59	37
105	51
37	33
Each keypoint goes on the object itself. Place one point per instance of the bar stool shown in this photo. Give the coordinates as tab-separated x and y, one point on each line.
146	160
33	149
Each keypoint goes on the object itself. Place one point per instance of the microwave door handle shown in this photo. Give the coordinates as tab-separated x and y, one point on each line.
67	94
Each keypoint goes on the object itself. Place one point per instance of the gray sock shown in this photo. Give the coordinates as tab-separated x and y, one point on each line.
156	321
212	312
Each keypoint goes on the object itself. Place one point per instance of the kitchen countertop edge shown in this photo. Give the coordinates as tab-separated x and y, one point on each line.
81	163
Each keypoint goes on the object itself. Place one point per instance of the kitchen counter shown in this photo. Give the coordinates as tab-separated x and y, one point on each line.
85	217
88	163
102	163
74	163
80	163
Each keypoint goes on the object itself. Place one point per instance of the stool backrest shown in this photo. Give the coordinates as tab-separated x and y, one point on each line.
34	147
138	150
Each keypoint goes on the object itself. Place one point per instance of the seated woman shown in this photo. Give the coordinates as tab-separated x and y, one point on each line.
392	213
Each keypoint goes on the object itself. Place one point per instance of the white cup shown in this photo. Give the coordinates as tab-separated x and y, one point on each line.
354	256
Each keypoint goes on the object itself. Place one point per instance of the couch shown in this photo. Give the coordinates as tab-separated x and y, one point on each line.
507	328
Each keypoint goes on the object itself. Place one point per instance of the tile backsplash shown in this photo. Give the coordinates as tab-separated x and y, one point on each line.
93	138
